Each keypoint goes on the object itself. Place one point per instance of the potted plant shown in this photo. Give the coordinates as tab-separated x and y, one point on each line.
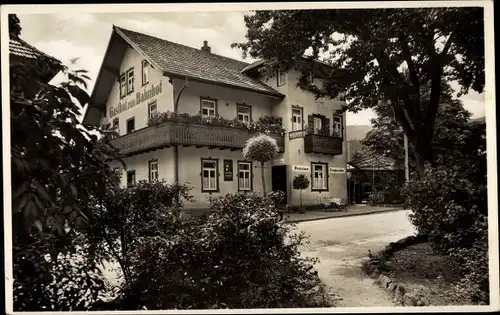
300	182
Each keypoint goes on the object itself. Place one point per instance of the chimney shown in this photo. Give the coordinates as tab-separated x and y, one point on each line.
205	46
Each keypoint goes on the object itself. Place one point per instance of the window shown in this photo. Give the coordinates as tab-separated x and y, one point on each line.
130	125
244	113
319	176
208	108
145	72
297	119
153	170
280	78
130	178
209	175
116	125
123	85
151	108
337	125
244	176
130	81
318	124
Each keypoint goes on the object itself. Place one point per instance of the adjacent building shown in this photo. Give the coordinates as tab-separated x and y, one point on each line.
184	114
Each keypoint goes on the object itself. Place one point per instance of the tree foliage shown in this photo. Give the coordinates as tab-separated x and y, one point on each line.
365	52
261	148
14	26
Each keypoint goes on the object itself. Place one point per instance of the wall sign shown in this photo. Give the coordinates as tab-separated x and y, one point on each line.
301	168
336	170
140	97
228	170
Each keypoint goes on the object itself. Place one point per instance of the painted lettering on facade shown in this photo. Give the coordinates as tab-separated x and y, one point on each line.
140	97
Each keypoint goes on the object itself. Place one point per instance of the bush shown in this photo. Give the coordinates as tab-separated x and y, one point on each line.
239	256
451	209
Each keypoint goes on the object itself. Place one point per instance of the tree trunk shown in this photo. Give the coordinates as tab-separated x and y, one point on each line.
301	198
263	178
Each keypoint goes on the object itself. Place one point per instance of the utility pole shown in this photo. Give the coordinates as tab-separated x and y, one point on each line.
407	166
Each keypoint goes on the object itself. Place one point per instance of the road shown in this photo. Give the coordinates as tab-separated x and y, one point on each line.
341	244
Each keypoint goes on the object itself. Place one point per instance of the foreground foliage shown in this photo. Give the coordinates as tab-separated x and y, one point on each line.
239	256
56	168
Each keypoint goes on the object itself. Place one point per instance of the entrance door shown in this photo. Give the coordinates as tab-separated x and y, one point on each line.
278	180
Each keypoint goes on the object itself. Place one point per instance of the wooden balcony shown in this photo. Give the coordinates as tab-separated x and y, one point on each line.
186	134
322	144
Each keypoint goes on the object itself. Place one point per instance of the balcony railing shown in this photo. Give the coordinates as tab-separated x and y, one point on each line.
322	144
187	134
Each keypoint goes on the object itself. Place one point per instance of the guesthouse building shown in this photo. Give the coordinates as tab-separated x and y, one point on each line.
183	115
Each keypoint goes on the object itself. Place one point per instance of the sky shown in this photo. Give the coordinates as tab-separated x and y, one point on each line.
86	35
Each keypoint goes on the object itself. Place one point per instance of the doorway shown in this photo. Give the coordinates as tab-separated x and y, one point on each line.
278	180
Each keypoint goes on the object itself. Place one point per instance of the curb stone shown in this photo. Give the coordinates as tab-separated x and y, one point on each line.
345	214
378	263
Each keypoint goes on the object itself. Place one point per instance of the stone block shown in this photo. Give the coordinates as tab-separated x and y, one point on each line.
383	281
376	273
391	287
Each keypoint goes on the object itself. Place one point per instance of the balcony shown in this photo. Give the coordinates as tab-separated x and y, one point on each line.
199	135
322	144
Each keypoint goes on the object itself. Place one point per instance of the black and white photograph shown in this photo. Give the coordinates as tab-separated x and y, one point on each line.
311	157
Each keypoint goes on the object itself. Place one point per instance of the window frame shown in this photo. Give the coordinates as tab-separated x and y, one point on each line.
129	120
144	70
212	100
278	77
123	85
217	175
116	123
341	130
238	107
131	172
130	87
301	109
150	169
250	174
325	178
155	103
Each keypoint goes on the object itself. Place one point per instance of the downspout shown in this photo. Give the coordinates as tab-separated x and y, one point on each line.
176	146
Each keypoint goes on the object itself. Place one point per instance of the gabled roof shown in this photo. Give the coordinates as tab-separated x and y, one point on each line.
183	60
374	162
172	59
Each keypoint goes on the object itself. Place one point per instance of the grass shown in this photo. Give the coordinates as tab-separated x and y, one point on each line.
431	274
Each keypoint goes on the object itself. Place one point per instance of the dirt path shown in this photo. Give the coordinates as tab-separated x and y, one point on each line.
342	243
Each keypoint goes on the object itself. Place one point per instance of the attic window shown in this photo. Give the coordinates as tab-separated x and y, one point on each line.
280	78
145	72
130	81
123	85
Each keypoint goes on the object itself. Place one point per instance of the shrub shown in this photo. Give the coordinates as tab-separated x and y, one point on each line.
124	221
451	209
300	182
239	256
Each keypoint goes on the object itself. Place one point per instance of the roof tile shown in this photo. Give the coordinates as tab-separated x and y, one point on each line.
188	61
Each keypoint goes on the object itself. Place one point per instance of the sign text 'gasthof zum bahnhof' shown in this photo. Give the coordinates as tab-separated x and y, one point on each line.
140	97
